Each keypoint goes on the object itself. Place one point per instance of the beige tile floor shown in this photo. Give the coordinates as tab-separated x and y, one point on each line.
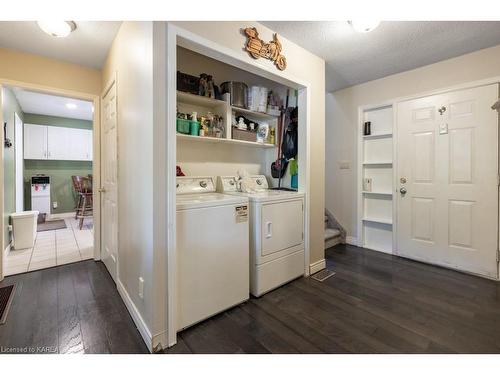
53	248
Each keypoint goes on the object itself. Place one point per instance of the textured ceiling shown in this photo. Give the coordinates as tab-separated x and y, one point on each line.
51	105
353	58
88	45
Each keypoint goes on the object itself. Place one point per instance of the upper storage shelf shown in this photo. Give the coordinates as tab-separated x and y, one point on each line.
197	100
187	103
254	114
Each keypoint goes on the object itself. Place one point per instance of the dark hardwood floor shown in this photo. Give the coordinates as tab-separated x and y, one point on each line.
376	303
73	308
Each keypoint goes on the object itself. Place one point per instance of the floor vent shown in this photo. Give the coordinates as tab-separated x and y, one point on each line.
6	296
323	275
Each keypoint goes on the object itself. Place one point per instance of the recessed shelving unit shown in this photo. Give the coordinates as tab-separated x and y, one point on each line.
375	207
188	103
378	192
375	136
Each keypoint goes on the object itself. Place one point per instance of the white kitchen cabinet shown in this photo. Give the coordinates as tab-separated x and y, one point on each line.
57	143
35	141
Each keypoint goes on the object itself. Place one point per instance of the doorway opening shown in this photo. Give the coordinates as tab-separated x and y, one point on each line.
48	195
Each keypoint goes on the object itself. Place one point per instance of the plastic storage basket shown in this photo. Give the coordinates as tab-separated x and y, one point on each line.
183	126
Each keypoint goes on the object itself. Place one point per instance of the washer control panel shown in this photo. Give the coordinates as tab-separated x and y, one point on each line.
192	185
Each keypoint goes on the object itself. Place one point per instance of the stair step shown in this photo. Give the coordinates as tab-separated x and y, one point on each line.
331	233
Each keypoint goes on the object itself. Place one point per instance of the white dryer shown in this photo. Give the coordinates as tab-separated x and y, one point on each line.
212	250
276	233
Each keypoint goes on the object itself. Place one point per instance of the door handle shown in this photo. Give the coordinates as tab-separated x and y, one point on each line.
269	227
402	190
101	190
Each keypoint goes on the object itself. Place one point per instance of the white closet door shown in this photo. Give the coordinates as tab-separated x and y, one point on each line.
448	165
35	141
109	176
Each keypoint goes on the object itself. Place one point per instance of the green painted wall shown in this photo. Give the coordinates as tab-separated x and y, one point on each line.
9	106
60	171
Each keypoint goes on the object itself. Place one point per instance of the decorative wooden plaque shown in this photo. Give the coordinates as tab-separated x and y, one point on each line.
257	48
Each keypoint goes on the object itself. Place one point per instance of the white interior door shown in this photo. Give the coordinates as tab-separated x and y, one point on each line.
19	157
448	166
109	173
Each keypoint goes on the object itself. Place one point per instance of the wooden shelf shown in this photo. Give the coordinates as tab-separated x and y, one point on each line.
377	192
378	220
257	115
378	136
184	97
192	138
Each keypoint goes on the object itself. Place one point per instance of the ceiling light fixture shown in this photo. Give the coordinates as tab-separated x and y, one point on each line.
58	29
364	26
71	105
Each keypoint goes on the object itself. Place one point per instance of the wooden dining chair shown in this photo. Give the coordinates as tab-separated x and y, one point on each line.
84	202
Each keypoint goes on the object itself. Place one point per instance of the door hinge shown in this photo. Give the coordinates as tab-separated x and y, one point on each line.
498	179
498	256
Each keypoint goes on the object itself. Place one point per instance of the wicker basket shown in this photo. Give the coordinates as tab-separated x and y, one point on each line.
244	135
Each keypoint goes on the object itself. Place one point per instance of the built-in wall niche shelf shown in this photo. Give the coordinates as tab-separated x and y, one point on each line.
192	138
375	207
378	220
378	136
387	193
382	163
203	101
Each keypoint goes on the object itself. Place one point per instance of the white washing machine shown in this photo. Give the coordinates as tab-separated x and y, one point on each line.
276	233
212	250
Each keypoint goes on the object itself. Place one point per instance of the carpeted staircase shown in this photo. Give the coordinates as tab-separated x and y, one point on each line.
334	233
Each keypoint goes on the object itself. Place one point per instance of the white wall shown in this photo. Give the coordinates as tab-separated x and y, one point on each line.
342	118
131	57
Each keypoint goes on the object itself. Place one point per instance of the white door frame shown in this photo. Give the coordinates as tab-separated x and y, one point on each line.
19	161
176	35
96	160
393	102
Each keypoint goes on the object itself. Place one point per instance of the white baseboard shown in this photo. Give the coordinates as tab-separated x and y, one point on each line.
317	266
351	241
62	215
136	316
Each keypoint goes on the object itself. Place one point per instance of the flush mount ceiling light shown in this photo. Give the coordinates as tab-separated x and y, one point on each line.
364	26
70	105
58	29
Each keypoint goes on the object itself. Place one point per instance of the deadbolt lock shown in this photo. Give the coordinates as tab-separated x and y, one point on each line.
402	180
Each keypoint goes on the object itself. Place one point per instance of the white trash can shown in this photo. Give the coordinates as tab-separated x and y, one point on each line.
24	226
